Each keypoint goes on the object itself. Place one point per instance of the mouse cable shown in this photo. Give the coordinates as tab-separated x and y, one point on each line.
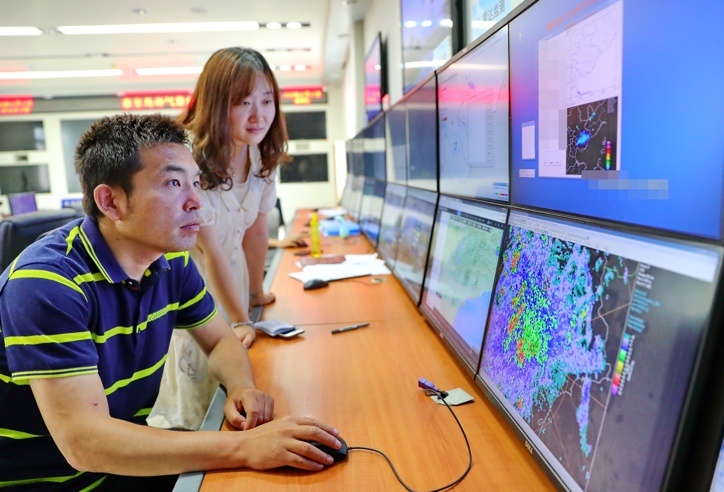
397	475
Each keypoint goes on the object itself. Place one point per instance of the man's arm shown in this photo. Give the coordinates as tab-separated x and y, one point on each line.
75	411
229	362
256	245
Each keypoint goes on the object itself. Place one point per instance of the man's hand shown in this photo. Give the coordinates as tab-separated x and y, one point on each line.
286	442
246	408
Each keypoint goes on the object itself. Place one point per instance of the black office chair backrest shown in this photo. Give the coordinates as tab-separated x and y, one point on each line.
19	231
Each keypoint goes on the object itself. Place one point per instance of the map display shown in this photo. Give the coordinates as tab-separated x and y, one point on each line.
414	240
390	225
473	121
580	77
581	344
467	241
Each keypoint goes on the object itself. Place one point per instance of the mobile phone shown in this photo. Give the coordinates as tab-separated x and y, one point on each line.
291	333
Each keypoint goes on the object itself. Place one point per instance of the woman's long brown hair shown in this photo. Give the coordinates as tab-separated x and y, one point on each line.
228	78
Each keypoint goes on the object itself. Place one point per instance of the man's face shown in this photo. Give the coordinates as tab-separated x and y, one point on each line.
161	214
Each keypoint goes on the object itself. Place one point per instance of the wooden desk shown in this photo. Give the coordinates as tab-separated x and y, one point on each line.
364	382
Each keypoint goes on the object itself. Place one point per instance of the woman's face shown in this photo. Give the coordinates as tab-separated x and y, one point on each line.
253	116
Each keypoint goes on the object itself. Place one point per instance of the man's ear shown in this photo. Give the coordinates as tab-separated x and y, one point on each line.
109	201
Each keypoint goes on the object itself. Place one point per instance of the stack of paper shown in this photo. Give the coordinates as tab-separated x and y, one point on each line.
352	266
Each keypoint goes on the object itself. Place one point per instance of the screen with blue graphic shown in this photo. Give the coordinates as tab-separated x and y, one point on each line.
395	195
473	121
373	198
416	222
373	138
591	345
422	136
611	121
461	270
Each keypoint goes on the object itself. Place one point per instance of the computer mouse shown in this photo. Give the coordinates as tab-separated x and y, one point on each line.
315	283
336	454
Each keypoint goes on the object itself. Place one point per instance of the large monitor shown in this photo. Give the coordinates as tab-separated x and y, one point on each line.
355	197
373	199
396	143
427	35
587	83
592	343
375	77
413	243
473	121
482	15
461	270
22	203
373	138
422	136
395	195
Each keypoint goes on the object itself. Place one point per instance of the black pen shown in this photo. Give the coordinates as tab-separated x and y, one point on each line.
348	328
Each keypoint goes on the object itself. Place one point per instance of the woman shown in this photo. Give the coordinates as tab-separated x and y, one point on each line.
239	139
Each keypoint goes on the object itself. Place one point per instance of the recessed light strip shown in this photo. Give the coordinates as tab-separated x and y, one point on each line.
20	31
60	74
162	28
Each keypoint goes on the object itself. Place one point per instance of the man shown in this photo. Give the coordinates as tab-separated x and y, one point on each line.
86	316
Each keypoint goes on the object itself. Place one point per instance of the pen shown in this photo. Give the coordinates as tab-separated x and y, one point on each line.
349	328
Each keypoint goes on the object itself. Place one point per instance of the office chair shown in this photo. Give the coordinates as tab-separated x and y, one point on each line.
19	231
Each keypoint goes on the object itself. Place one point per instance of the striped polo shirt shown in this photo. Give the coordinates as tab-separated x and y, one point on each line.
67	308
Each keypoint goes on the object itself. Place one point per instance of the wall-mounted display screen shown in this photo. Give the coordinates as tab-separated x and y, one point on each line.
374	78
373	138
461	272
602	126
22	135
473	117
413	242
422	136
373	198
481	15
395	195
21	179
427	30
591	346
396	143
305	168
306	125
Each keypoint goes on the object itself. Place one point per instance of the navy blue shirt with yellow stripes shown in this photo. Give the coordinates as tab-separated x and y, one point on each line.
67	308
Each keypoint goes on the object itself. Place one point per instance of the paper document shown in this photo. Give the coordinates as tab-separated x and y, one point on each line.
353	266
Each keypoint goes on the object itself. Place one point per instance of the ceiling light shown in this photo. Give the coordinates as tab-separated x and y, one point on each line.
273	25
410	24
20	31
446	23
285	67
294	25
300	67
162	28
169	71
60	74
426	23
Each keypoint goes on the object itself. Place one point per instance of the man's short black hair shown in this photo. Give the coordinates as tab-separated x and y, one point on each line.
108	153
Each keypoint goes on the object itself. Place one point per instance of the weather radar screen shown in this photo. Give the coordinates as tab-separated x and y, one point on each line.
461	271
591	346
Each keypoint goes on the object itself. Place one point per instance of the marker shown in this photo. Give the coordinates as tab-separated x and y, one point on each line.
349	328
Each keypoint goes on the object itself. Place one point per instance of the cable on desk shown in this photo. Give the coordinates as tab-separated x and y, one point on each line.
394	470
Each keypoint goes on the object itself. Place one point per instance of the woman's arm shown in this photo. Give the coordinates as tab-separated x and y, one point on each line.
256	244
220	278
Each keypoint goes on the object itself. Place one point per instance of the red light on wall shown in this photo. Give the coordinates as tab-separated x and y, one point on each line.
16	105
154	100
303	95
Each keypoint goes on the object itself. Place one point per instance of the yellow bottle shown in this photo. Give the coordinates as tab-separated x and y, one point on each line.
315	248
